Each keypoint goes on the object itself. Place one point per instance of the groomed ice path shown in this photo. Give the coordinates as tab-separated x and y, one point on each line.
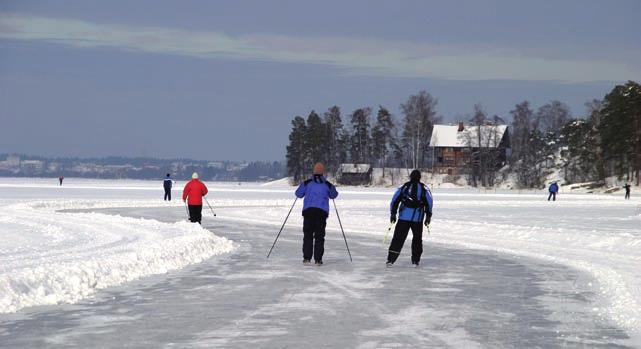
459	298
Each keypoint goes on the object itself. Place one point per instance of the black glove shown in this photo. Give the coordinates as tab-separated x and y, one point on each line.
392	218
428	219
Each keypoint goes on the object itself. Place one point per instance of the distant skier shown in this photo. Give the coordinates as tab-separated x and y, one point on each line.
60	179
167	183
554	188
317	192
413	202
627	191
193	195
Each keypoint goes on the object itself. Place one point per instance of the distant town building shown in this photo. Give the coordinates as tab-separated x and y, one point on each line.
32	166
355	174
454	145
13	161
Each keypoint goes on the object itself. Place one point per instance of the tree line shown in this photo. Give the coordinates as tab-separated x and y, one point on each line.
384	143
604	142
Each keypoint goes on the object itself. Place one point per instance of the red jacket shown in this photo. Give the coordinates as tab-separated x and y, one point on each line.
195	190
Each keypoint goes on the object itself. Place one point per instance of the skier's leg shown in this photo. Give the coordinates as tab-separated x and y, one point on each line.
308	237
400	234
319	238
169	195
192	213
417	242
549	196
553	196
199	213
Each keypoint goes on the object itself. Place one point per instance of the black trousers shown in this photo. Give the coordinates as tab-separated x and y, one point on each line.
627	195
195	213
552	196
400	234
167	194
314	223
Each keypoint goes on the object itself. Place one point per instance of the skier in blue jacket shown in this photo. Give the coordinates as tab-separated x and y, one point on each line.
167	183
413	202
317	191
554	188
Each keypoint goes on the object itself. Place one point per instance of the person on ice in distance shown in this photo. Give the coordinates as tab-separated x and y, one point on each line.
60	179
627	191
554	188
193	195
413	202
317	191
167	183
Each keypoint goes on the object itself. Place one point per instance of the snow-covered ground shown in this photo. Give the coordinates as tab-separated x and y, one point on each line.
49	257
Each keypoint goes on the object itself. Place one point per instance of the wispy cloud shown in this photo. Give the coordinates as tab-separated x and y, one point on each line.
358	56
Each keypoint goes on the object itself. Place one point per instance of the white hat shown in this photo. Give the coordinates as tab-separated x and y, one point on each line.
194	176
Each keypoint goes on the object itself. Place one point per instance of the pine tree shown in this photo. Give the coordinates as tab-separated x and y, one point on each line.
315	140
594	111
578	138
296	151
334	145
620	129
361	139
382	134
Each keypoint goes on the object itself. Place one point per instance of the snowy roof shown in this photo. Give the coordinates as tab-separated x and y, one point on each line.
355	168
449	136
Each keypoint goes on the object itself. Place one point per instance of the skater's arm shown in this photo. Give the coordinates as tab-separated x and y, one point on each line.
300	192
205	190
185	191
428	202
396	200
333	193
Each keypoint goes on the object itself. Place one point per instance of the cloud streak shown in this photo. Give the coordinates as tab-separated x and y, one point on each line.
355	56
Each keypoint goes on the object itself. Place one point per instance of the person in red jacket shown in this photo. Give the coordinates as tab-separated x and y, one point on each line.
193	195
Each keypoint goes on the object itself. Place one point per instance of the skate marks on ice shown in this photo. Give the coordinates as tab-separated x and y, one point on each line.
457	298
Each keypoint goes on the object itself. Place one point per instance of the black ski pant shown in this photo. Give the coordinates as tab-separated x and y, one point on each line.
314	223
167	194
552	196
400	234
195	213
627	195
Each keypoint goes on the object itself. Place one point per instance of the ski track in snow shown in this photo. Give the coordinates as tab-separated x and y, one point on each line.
586	232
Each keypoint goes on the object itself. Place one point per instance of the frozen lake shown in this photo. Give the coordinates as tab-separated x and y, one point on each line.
499	270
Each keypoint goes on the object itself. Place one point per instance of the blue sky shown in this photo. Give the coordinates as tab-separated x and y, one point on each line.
222	79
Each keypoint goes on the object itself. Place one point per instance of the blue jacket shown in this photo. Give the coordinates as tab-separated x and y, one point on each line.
317	191
408	213
554	188
167	183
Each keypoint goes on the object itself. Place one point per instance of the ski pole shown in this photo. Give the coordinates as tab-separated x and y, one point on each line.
342	231
387	233
281	228
212	210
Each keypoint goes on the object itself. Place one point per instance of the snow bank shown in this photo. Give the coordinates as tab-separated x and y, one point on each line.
49	257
